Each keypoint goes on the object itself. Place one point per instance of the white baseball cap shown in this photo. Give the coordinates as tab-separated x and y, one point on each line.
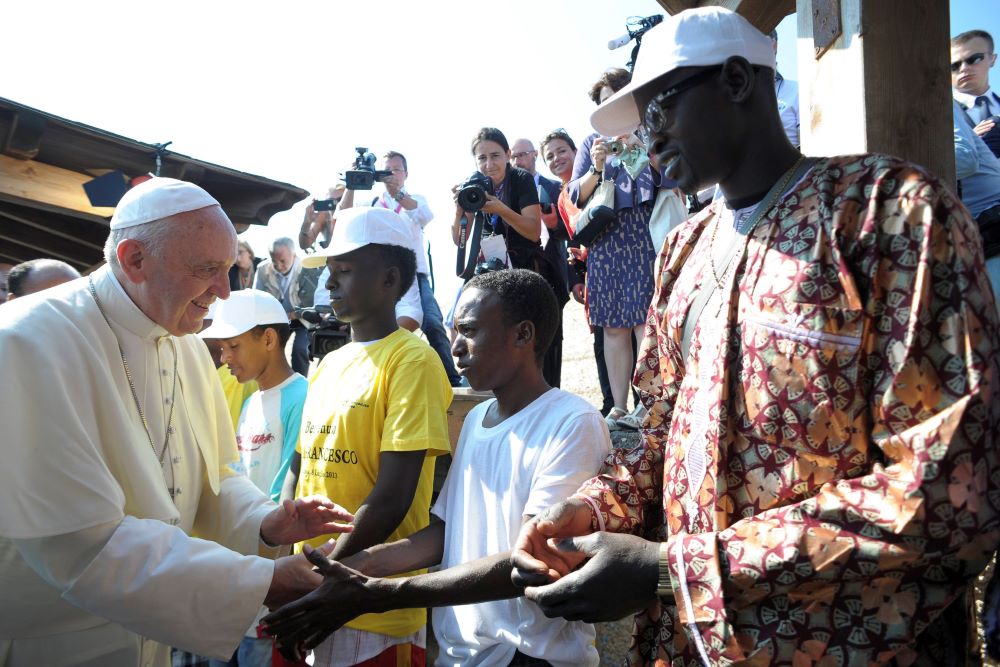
357	227
159	198
692	38
242	311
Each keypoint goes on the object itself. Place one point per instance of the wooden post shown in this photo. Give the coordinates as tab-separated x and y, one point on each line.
883	86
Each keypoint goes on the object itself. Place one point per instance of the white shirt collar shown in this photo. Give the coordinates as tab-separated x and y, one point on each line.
968	100
120	308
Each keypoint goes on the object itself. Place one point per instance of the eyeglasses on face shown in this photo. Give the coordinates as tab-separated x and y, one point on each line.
518	156
655	118
974	59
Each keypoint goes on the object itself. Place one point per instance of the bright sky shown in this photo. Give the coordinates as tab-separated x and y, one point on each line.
288	90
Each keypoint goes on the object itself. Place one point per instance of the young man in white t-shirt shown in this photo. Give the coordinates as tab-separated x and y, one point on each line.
252	328
516	454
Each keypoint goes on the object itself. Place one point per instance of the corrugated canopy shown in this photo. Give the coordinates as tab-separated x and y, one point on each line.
45	160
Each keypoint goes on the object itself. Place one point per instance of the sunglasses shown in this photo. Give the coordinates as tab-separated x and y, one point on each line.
655	119
974	59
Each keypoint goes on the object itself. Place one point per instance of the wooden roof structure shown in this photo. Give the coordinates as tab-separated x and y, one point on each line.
45	160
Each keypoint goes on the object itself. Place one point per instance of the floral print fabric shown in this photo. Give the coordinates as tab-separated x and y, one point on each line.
852	474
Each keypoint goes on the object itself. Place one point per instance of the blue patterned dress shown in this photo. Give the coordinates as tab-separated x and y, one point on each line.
620	261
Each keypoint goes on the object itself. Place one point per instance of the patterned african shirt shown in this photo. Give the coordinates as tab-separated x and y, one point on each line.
823	466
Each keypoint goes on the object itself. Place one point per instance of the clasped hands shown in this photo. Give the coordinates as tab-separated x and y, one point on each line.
564	567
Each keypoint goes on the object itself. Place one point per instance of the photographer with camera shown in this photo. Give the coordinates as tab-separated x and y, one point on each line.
505	199
418	307
317	223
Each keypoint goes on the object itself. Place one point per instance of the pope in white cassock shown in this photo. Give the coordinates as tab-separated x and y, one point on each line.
123	529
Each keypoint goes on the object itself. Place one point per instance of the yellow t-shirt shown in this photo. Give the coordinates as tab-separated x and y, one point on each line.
391	395
236	393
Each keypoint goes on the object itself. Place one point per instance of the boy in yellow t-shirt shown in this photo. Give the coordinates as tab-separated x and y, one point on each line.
374	418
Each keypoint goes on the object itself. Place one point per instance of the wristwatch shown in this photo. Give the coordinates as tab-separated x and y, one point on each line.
595	170
664	587
400	196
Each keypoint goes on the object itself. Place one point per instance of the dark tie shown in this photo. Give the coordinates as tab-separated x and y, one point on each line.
982	108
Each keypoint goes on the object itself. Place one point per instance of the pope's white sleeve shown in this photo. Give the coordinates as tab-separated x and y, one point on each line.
233	517
156	581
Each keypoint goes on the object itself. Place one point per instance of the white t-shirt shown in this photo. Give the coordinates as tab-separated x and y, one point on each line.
519	467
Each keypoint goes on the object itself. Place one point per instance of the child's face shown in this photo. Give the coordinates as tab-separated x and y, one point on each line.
246	354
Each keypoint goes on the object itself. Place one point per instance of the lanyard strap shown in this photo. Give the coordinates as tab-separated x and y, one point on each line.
801	166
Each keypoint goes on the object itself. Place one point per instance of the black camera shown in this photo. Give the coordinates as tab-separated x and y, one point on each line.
326	332
490	265
324	204
472	193
364	174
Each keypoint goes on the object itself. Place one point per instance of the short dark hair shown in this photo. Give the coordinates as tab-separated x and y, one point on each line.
20	275
391	154
524	295
973	34
615	78
490	134
556	134
284	331
402	258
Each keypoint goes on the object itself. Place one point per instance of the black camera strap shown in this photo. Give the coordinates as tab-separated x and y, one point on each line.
465	265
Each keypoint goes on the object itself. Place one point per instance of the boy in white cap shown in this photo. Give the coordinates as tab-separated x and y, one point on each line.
117	446
817	480
252	329
374	420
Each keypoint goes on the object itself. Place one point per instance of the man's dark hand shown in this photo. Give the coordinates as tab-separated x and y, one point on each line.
535	557
343	595
618	579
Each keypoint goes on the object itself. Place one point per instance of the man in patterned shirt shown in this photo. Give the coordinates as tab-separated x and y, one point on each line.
817	481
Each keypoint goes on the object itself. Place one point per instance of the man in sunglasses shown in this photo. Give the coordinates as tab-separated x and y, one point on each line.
818	472
972	57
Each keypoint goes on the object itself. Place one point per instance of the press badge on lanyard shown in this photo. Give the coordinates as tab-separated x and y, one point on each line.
494	246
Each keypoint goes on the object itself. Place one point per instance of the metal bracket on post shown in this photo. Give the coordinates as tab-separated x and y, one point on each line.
826	24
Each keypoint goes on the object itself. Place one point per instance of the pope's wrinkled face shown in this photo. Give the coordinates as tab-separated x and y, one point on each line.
176	284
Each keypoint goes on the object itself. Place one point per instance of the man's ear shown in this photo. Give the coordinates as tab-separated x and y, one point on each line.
524	334
270	338
392	278
739	78
132	258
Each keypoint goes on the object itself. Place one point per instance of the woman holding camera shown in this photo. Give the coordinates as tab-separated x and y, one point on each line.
512	210
620	260
513	225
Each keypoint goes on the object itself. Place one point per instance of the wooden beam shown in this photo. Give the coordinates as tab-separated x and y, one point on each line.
12	243
43	183
765	15
859	95
50	229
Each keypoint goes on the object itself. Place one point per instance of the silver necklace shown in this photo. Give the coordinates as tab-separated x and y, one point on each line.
135	396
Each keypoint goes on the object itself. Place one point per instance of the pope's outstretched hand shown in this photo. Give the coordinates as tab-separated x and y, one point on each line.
303	519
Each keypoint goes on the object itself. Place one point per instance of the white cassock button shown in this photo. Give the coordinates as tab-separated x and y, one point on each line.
167	401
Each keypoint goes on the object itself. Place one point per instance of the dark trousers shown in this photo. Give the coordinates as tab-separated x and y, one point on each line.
989	229
552	361
433	328
300	348
522	660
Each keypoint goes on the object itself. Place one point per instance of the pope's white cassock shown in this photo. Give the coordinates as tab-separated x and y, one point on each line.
94	554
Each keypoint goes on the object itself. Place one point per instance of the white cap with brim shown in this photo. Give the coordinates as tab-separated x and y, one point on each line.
358	227
243	311
692	38
159	198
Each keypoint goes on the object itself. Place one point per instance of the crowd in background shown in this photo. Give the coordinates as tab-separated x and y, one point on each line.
363	253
